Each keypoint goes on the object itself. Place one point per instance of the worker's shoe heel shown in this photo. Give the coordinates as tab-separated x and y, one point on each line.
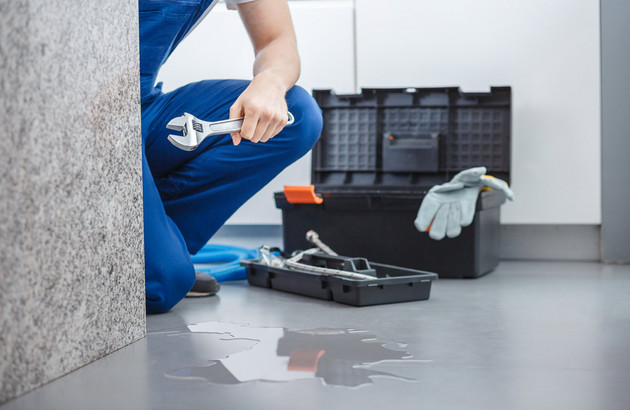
205	285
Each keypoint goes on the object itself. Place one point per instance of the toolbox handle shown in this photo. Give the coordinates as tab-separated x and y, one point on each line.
302	194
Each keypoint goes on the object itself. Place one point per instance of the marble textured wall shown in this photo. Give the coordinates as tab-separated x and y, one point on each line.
71	254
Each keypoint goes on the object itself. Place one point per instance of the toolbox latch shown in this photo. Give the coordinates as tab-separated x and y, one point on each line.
302	194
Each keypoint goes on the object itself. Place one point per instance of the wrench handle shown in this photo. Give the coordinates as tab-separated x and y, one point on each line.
234	125
225	126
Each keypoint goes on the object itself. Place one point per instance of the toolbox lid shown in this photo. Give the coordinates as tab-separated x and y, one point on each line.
410	137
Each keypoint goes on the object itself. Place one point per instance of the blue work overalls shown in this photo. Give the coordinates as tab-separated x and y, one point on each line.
189	195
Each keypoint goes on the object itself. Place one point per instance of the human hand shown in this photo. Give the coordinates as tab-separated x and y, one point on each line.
448	207
263	108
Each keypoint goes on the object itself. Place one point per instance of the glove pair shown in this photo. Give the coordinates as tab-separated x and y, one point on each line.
450	206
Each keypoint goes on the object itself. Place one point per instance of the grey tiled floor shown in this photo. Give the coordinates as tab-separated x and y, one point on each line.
530	335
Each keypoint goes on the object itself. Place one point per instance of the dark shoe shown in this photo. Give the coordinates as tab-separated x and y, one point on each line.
205	285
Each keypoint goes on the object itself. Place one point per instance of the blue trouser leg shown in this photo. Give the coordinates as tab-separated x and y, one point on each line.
169	272
201	189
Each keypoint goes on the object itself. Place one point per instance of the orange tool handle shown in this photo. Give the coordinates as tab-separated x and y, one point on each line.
302	194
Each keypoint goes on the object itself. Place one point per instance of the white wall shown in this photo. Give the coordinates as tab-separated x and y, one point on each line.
221	49
548	51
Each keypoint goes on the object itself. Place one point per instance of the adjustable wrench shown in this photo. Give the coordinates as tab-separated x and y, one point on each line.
195	130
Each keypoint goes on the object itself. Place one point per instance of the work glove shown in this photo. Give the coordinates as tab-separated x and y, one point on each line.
450	206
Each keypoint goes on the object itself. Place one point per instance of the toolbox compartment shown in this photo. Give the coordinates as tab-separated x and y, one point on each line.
379	153
391	284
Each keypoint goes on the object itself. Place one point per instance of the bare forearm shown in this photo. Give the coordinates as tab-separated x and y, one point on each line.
279	63
276	69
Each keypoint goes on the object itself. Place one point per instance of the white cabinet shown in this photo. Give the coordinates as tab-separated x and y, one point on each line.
548	51
219	48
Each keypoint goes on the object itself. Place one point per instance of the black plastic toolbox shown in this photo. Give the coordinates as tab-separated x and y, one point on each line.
379	152
391	284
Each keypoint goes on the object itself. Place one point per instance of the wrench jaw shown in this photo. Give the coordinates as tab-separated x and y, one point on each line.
177	123
181	142
189	140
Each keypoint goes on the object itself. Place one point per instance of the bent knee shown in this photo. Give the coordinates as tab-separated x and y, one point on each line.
167	285
307	128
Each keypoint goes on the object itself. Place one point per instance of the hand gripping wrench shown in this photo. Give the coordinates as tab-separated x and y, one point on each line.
195	130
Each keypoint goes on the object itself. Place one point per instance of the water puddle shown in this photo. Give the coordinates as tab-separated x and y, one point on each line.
337	357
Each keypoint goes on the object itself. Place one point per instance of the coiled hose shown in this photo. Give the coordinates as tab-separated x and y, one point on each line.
224	260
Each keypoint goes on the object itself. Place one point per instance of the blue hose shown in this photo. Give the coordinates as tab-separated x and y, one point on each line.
226	260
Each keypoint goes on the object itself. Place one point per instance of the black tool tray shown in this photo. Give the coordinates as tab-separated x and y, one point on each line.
391	284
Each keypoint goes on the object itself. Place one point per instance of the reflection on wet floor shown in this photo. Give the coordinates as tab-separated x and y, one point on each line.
339	357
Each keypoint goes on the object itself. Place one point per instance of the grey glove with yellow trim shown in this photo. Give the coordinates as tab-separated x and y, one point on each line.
450	206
